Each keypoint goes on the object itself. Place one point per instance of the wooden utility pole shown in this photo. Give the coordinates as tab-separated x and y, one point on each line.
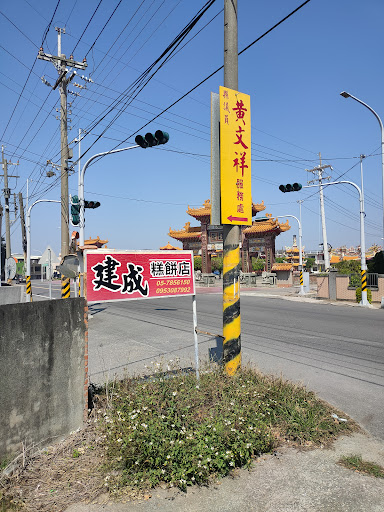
7	195
231	233
62	64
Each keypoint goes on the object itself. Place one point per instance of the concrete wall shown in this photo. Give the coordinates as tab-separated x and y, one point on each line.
343	291
43	374
12	294
322	287
284	278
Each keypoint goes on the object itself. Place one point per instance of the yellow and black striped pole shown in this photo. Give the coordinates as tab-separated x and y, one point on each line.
231	233
79	285
28	287
364	299
65	287
231	300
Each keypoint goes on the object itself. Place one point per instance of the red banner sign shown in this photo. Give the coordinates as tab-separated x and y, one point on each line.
126	275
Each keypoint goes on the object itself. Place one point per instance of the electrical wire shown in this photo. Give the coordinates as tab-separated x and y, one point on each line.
218	69
30	72
17	28
102	30
86	27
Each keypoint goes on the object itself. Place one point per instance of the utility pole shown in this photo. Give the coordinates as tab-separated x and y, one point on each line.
61	62
318	171
231	233
23	232
7	195
1	252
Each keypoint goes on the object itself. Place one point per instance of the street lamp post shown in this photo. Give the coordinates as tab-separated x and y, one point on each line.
364	299
347	95
301	292
28	223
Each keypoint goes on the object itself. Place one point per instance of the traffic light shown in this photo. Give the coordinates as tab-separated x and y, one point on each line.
151	139
91	204
295	187
75	210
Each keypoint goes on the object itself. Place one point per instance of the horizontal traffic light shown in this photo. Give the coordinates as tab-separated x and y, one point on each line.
295	187
151	139
75	210
91	204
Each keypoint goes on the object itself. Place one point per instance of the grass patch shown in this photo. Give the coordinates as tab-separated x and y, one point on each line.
357	463
168	430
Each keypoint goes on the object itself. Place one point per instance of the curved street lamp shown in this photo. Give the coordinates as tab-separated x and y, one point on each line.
347	95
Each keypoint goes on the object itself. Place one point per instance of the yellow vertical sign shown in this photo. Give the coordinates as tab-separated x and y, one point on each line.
235	157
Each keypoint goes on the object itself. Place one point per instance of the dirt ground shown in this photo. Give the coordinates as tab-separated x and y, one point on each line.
56	476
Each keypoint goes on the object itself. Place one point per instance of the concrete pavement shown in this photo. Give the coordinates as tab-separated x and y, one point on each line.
290	480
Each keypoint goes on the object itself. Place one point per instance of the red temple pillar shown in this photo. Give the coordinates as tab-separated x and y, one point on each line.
269	252
205	258
245	259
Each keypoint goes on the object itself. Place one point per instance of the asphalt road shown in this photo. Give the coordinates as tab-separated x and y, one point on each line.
40	289
337	351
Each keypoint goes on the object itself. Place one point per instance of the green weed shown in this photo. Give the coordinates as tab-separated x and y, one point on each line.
358	464
170	430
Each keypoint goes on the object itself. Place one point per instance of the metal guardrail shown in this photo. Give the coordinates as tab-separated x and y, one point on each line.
372	281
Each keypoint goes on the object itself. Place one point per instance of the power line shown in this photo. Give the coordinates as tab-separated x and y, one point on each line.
21	32
102	30
89	22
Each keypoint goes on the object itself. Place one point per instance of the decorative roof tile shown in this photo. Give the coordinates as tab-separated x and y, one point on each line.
186	233
170	247
281	266
205	210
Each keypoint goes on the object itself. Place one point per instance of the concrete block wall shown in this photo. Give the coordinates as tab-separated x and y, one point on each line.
322	287
12	294
377	294
43	372
343	292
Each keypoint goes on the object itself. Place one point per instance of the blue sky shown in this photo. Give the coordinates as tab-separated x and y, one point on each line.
294	76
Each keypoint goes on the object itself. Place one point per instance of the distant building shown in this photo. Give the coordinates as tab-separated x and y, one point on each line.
39	264
292	254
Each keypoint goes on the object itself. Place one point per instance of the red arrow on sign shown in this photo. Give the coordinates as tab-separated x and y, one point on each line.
239	219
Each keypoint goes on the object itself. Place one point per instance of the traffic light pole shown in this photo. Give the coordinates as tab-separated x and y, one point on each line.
81	187
82	213
364	299
28	222
301	292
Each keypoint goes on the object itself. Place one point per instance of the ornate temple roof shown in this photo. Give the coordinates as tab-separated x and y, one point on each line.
281	266
205	210
186	233
94	243
265	225
170	247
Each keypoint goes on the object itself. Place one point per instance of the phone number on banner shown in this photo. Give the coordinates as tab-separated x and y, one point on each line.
183	289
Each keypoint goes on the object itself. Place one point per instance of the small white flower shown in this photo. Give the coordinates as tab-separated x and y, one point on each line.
174	393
